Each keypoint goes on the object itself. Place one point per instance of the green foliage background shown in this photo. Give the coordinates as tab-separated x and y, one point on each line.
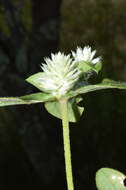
100	24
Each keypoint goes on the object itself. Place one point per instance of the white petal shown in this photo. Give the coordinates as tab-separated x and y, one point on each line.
93	54
96	60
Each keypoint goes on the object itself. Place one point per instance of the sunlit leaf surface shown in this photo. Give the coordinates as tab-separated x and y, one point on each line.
110	179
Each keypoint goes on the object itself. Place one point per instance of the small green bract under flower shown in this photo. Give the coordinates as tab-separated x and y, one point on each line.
60	74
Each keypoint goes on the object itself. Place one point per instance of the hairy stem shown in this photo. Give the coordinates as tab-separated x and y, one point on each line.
66	141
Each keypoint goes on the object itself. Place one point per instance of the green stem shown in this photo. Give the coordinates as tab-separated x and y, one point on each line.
66	141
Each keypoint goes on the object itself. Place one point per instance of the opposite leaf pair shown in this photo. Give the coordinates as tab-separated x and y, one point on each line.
63	78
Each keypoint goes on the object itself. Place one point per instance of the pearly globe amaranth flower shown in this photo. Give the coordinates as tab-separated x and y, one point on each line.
86	55
60	73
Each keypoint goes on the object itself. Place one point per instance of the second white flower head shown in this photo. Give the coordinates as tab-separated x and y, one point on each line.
85	54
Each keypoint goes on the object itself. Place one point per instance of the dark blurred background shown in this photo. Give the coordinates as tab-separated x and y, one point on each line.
31	147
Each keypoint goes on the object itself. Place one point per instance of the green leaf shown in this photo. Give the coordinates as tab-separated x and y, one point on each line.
28	99
105	84
74	111
98	67
84	66
35	80
87	66
110	179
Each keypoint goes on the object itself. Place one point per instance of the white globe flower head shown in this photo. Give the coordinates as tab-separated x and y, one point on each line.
86	55
60	73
